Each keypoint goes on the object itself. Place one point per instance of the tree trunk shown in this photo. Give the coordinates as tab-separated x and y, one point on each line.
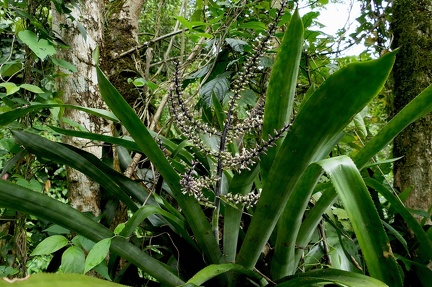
412	30
113	27
81	88
120	36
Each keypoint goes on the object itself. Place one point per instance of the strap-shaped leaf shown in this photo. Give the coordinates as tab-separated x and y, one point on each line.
128	144
147	211
420	106
192	210
64	280
214	270
62	154
325	114
364	218
424	240
282	86
329	276
417	108
284	259
9	117
24	200
241	183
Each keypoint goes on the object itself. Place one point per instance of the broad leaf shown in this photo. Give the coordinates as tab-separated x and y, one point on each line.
42	48
254	25
11	88
29	202
218	86
50	245
73	260
64	64
32	88
97	254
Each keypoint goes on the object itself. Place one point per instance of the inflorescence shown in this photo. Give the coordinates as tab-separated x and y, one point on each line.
194	129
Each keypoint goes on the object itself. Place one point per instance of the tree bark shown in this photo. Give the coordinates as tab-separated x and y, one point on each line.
412	30
120	35
113	27
81	88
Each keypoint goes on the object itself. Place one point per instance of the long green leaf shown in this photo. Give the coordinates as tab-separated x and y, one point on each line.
424	241
9	117
321	119
192	210
130	145
59	280
241	183
282	86
311	222
61	154
24	200
329	276
214	270
364	218
417	108
147	211
283	261
114	182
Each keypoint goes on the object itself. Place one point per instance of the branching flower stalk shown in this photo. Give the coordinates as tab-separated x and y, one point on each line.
225	160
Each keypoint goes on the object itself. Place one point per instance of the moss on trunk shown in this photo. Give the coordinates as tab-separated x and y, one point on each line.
412	30
120	35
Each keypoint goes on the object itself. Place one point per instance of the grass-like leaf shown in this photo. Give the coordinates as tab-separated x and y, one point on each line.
62	154
64	280
59	213
214	270
325	114
192	210
11	116
364	218
329	276
282	86
424	240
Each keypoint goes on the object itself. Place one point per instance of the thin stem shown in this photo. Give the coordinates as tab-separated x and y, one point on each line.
222	147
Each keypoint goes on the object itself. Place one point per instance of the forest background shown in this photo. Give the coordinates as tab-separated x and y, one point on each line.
225	143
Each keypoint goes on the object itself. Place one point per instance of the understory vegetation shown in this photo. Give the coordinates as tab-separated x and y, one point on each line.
254	154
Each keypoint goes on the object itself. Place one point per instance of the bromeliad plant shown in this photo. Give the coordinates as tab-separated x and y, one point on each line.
284	177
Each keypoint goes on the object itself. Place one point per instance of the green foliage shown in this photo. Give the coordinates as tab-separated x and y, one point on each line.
73	260
42	48
50	245
97	254
57	280
314	209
